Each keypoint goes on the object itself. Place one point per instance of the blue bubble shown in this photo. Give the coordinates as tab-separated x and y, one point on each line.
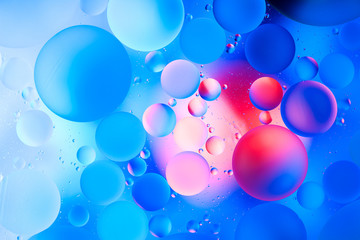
120	136
180	79
30	202
86	155
155	61
336	70
350	36
202	40
82	73
159	120
160	226
306	68
102	182
78	216
35	21
93	7
344	224
270	48
145	25
341	181
192	226
239	16
137	167
57	232
311	195
270	221
122	220
151	192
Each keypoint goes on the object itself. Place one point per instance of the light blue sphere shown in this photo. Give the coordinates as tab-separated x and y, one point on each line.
93	7
160	226
155	61
86	155
145	25
78	216
102	182
310	195
159	120
120	136
122	220
82	73
202	40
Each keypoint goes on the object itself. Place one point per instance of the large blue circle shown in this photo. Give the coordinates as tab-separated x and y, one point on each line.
151	192
270	48
120	136
336	70
239	16
342	181
82	73
270	221
102	182
310	195
202	40
122	220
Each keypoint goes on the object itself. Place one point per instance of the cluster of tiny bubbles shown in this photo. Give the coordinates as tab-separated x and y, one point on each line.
159	120
230	48
102	182
160	226
78	216
306	68
350	36
197	107
92	7
214	171
172	102
265	117
210	89
310	195
129	182
123	220
145	153
215	145
14	79
28	94
86	155
155	61
137	167
190	133
193	226
34	128
151	192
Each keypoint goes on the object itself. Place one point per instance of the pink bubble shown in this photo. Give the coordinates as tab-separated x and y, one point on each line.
215	145
159	120
266	93
210	89
265	117
188	173
190	133
270	162
197	107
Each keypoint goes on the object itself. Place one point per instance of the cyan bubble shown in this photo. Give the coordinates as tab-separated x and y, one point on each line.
270	48
120	136
122	220
270	221
145	25
239	16
202	40
82	73
16	73
159	120
137	167
350	36
35	21
155	61
306	68
78	216
310	195
180	79
102	182
34	128
336	70
93	7
30	202
343	224
342	181
86	155
160	226
151	192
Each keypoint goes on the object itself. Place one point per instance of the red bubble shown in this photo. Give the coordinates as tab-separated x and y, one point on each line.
270	162
265	117
266	93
